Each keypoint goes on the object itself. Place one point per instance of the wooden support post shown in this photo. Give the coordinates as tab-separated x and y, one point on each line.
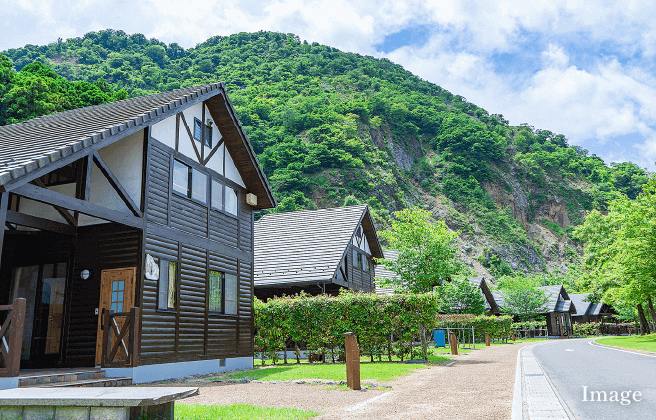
352	361
453	342
16	336
134	336
4	204
487	339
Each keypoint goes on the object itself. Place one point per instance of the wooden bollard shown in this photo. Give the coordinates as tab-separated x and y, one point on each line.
487	339
512	336
453	342
352	361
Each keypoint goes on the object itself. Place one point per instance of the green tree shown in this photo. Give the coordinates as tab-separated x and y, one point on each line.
426	251
522	298
460	297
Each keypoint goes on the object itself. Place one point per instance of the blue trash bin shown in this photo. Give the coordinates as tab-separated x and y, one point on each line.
439	337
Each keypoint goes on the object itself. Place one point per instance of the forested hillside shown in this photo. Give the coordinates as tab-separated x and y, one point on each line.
333	128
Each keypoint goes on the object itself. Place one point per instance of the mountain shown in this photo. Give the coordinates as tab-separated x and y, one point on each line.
333	128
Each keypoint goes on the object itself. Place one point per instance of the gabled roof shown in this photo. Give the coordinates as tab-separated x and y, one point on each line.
306	247
556	294
490	301
585	308
33	148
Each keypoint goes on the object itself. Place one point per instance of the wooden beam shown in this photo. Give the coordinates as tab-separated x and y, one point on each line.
63	212
4	204
177	132
191	137
50	197
34	222
114	182
214	150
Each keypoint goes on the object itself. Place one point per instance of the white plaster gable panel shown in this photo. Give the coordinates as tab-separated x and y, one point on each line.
216	134
216	163
231	170
45	211
361	242
164	131
125	159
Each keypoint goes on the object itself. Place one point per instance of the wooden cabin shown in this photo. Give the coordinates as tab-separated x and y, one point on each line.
128	230
315	251
589	311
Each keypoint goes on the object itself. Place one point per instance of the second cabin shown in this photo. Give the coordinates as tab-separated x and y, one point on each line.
315	251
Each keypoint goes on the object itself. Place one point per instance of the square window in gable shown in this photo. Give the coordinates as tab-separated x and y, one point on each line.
198	129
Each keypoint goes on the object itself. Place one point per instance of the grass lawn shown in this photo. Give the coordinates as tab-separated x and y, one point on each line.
378	371
238	411
637	342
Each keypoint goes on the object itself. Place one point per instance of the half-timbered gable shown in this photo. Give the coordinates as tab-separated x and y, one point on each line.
317	251
135	215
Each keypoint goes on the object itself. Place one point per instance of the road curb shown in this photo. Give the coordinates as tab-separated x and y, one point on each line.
624	349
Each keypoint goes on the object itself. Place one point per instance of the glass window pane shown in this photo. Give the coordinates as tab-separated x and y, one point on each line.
114	286
197	128
214	299
113	306
217	195
119	307
163	286
120	297
231	200
114	296
199	186
121	285
231	294
180	178
173	271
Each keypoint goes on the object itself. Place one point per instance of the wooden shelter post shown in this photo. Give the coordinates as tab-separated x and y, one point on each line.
4	204
352	361
453	342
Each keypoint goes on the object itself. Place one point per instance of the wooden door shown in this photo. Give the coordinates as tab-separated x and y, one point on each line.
116	293
55	315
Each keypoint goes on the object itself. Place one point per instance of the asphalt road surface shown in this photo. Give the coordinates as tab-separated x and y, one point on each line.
574	364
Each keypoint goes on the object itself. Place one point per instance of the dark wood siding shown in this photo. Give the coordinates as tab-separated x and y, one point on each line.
192	333
157	327
97	248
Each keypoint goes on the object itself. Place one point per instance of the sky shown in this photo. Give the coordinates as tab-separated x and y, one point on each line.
579	68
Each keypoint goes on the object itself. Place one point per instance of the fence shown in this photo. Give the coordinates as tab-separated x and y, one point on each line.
531	333
11	338
120	342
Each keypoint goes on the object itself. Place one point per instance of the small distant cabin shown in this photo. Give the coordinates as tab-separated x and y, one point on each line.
589	311
315	251
558	310
127	231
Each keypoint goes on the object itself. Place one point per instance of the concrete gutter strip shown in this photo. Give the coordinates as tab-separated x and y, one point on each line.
518	402
94	397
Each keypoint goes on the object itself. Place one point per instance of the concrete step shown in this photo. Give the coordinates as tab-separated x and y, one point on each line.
104	382
56	378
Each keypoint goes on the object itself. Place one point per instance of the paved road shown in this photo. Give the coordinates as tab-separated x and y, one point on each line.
573	364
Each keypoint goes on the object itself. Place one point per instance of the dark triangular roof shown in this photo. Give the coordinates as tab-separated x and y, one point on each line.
306	247
33	148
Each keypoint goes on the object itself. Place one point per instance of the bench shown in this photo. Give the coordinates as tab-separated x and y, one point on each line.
116	403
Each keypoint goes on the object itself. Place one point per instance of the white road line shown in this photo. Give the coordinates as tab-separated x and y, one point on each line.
517	405
594	343
370	400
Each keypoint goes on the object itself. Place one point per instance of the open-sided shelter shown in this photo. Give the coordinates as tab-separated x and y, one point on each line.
315	251
128	230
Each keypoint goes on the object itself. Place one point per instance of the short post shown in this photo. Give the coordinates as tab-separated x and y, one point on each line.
16	336
352	361
453	341
487	340
512	336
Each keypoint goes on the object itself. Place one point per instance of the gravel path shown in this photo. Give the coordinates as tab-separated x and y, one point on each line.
477	386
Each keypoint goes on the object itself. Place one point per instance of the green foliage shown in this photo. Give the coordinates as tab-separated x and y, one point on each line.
587	329
460	297
321	322
620	249
426	251
521	297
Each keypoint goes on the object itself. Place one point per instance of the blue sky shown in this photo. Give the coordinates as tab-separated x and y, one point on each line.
572	67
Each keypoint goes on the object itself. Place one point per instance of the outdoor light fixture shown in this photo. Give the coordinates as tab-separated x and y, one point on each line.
85	274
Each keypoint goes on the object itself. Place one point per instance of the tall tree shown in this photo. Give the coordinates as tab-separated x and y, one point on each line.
426	251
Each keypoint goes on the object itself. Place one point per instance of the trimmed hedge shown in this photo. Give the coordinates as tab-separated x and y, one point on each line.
384	325
589	328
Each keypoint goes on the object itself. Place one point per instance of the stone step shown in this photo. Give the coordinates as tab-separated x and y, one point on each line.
56	378
125	381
